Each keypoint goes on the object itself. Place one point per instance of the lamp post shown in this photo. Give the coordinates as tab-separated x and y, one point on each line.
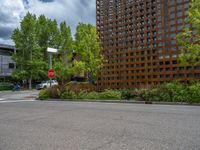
51	51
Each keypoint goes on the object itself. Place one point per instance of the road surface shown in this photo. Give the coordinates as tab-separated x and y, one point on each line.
26	124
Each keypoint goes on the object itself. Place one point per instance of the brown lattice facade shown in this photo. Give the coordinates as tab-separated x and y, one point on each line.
138	41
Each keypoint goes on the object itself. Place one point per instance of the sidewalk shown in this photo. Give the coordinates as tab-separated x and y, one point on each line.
19	94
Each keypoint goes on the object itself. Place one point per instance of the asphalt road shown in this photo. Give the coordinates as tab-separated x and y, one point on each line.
35	125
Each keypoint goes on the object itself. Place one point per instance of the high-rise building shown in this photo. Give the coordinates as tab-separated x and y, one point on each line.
138	41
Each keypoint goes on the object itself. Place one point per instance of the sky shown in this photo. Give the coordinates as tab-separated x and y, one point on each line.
71	11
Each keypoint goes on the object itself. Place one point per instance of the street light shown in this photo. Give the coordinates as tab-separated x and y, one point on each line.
51	51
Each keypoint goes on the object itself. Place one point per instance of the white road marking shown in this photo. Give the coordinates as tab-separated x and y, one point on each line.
2	99
16	101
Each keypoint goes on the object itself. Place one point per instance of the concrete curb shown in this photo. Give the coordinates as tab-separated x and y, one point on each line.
123	102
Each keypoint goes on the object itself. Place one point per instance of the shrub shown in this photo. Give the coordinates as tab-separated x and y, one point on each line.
77	87
82	95
110	94
154	94
68	95
86	95
44	94
55	91
194	92
6	86
128	94
144	94
125	94
149	94
170	92
75	83
173	92
92	95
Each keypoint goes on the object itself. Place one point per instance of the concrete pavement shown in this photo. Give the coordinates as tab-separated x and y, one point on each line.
40	125
18	96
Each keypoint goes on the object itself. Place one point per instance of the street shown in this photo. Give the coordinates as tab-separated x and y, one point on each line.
28	124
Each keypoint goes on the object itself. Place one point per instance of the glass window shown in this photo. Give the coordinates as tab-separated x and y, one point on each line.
179	14
173	15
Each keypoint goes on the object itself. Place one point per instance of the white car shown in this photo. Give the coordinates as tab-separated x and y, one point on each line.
46	84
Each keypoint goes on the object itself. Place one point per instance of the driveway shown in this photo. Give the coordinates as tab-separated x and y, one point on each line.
18	95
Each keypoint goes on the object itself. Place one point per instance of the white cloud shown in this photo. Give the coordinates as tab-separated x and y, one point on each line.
71	11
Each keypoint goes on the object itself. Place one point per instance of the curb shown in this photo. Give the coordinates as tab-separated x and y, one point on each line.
175	103
123	102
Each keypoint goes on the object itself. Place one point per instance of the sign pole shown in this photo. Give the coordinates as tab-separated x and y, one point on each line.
50	60
51	51
50	65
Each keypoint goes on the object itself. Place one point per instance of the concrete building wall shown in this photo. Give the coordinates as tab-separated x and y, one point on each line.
7	65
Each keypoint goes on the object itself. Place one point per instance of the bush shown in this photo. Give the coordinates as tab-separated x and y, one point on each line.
128	94
92	95
110	94
144	94
194	93
107	94
75	83
68	95
173	92
169	92
55	91
44	94
82	95
6	86
78	87
154	94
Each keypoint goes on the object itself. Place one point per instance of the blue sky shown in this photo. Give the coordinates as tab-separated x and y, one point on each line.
71	11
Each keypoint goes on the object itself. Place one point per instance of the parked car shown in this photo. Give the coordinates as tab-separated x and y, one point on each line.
46	84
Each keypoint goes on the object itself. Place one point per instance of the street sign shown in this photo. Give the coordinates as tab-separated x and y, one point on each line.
51	73
52	50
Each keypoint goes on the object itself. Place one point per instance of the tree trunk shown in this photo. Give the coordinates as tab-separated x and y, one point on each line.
30	79
30	83
62	81
90	77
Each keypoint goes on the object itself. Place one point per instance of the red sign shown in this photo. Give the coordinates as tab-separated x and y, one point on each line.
51	73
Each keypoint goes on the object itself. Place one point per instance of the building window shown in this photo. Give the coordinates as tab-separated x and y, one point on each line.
11	66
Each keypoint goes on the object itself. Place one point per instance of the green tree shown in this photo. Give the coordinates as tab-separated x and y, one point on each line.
78	68
63	60
32	39
190	38
48	36
87	47
28	56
